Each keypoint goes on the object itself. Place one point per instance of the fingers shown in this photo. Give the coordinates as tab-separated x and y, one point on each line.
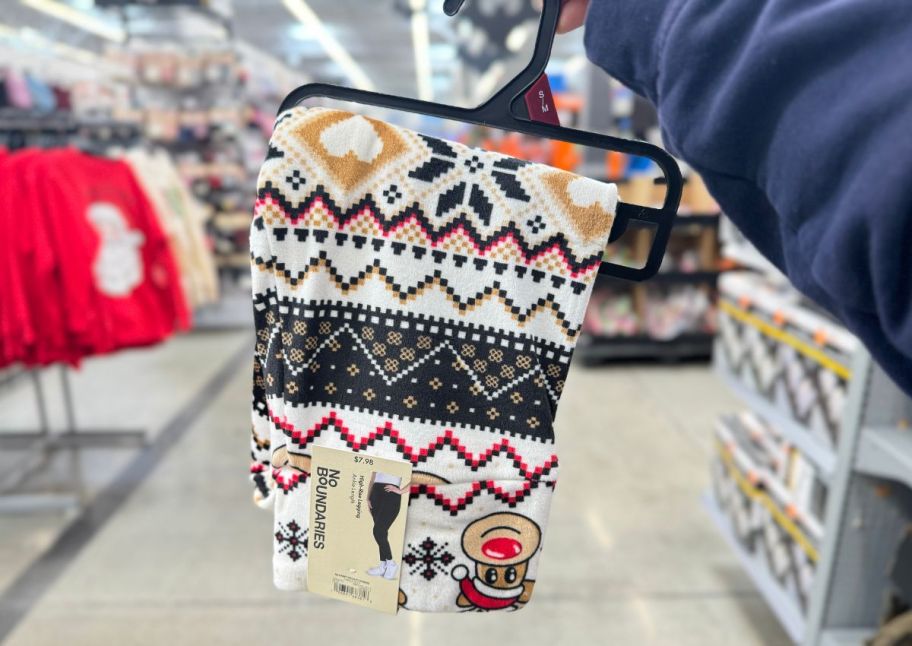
572	16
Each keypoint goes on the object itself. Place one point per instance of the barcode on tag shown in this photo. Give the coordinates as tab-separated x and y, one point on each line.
353	589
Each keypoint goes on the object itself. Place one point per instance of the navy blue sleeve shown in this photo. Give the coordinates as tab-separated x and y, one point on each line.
798	114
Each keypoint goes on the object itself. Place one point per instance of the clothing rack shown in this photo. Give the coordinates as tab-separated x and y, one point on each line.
18	128
43	444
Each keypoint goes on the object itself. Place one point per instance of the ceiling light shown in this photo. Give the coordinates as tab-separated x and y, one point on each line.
78	18
336	52
421	46
32	37
36	41
8	32
260	55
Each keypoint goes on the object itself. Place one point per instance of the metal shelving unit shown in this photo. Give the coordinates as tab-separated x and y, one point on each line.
697	232
684	277
786	610
886	453
695	345
815	450
869	490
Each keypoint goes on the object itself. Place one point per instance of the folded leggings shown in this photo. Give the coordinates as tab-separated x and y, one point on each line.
420	300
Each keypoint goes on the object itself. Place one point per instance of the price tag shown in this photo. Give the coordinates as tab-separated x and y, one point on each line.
358	506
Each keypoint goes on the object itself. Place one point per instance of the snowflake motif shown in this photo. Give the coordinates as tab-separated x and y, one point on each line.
536	224
474	164
296	180
428	559
292	540
392	194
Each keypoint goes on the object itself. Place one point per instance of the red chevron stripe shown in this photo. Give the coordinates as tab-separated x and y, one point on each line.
288	480
447	439
454	506
492	245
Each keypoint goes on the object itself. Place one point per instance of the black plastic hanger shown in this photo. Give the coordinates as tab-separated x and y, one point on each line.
506	111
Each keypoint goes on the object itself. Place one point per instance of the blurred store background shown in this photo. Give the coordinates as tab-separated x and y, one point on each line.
754	489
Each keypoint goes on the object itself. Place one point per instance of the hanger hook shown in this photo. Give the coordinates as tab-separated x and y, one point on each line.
452	7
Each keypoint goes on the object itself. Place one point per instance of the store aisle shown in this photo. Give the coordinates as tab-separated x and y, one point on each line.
186	560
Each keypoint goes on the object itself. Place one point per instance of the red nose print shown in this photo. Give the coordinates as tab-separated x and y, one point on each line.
501	548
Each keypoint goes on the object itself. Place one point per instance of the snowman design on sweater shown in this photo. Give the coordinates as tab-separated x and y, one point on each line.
417	299
118	264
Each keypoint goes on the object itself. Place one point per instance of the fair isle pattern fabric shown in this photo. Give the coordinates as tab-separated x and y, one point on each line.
420	300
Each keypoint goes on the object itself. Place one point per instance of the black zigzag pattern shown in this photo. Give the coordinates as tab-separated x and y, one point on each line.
435	234
410	366
437	256
335	310
494	291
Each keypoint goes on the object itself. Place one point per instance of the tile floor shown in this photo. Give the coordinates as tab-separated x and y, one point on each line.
631	556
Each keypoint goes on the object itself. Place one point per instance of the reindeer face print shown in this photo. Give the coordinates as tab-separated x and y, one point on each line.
501	545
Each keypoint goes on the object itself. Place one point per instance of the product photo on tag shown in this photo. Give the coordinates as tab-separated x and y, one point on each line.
357	527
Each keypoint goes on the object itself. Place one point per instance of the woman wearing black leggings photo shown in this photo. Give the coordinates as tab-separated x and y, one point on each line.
384	499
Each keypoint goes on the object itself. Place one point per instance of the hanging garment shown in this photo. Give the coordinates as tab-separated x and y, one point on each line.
16	327
183	220
417	299
87	269
125	264
43	98
17	90
35	330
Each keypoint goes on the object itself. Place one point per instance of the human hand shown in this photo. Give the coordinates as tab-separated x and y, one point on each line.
572	15
392	489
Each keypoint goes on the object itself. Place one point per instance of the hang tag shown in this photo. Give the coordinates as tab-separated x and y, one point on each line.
358	507
540	102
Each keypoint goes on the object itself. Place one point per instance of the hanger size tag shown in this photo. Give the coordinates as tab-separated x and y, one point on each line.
358	505
540	102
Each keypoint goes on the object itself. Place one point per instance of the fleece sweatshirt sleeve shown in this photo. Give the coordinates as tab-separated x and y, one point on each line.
797	115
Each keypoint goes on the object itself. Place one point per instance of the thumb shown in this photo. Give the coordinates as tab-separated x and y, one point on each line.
572	16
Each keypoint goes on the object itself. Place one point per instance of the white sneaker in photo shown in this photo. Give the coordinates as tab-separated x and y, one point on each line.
378	570
391	568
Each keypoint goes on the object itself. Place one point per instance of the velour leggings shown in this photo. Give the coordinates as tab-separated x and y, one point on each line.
384	508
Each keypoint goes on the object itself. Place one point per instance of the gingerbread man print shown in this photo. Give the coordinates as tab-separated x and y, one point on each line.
501	545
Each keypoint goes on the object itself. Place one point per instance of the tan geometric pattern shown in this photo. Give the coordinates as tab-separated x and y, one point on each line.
418	299
354	158
351	148
318	217
548	304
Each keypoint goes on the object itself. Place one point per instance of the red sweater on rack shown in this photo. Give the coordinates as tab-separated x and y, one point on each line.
122	262
91	257
28	267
